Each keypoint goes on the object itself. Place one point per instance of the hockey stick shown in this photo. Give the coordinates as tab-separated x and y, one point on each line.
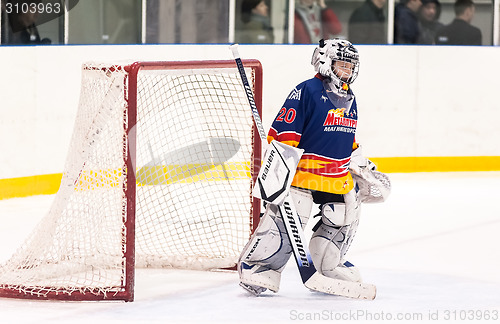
311	278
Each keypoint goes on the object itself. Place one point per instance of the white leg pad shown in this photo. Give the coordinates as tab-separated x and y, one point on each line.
345	271
331	240
267	238
303	201
259	276
341	214
266	254
269	249
325	253
328	247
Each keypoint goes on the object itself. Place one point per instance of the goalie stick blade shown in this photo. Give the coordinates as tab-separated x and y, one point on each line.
344	288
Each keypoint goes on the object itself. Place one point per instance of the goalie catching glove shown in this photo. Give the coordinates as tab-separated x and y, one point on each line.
374	186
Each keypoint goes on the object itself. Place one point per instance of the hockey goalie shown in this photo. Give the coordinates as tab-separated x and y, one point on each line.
315	160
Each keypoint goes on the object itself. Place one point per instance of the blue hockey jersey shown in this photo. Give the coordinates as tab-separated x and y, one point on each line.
314	119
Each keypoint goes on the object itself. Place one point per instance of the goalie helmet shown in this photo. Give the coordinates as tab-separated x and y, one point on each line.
338	60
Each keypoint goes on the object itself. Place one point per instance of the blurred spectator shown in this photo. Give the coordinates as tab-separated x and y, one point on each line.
460	31
406	25
314	21
428	15
367	23
22	26
256	27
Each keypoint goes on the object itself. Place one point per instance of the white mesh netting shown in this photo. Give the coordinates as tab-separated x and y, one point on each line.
194	160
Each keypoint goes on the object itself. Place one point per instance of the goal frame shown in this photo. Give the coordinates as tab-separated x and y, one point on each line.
126	291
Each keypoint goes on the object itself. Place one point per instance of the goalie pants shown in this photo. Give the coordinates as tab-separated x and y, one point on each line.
266	254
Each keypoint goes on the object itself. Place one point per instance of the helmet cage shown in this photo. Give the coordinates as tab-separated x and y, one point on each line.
345	53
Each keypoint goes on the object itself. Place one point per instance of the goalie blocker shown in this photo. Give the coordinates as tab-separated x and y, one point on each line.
276	174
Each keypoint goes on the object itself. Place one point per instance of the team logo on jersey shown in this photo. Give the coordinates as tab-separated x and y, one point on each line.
335	117
295	94
339	112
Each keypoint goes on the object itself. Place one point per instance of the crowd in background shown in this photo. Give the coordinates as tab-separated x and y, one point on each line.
415	22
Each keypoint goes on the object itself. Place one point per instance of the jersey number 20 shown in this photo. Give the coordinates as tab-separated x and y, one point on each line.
287	115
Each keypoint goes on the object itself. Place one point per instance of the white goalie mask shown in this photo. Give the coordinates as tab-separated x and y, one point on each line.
338	60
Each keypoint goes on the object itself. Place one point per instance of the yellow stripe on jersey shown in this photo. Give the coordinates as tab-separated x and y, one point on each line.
311	181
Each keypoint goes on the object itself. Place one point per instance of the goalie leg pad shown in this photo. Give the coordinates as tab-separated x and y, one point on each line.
303	201
266	254
346	271
333	236
341	214
328	246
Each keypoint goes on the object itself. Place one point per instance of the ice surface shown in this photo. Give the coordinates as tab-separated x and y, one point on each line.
433	250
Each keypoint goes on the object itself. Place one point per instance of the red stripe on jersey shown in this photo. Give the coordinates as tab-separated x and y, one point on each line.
323	166
285	137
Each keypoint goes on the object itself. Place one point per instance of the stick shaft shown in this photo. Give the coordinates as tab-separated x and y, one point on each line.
249	93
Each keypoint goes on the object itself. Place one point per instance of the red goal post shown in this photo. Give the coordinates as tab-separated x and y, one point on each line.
159	174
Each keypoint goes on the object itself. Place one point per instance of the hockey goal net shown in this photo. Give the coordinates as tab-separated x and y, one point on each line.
159	174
